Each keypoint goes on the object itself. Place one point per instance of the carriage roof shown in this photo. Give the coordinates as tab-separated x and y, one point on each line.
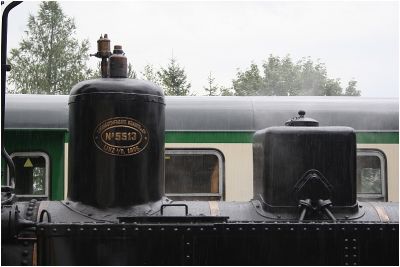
201	113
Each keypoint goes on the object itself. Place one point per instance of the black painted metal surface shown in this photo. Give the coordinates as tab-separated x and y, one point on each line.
237	235
116	146
283	155
242	243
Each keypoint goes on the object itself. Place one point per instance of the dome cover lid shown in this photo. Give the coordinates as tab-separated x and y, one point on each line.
301	120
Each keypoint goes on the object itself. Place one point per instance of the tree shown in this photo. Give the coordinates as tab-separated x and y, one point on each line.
49	59
249	82
282	77
150	74
332	87
211	89
351	89
131	72
227	91
173	79
311	77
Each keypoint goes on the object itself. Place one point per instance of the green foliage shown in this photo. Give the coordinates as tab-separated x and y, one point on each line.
131	72
282	77
49	60
150	74
351	89
249	82
211	89
173	79
227	91
332	87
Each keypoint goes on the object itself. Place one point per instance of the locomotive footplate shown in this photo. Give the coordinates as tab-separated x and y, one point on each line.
233	243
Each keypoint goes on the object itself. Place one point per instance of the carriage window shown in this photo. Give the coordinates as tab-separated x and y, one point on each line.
371	175
193	174
32	174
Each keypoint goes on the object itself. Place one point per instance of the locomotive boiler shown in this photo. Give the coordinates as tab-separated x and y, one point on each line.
304	210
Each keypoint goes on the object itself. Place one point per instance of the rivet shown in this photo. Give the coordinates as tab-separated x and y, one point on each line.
176	229
355	229
54	229
368	228
393	229
317	229
346	256
354	263
214	229
354	248
24	262
42	229
25	243
240	228
188	229
346	248
346	240
266	228
305	229
343	229
279	228
291	229
354	240
330	228
25	253
354	256
380	229
346	263
253	229
188	256
123	229
188	243
81	229
162	229
108	229
68	229
95	229
149	229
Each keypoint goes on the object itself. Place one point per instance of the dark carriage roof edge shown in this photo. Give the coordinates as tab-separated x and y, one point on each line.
218	114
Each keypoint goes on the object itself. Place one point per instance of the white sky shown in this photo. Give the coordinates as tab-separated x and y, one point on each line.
354	39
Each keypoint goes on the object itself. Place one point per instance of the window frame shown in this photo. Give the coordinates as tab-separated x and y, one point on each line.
47	171
196	151
382	158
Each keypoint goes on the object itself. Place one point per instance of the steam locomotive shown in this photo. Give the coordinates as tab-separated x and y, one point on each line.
304	209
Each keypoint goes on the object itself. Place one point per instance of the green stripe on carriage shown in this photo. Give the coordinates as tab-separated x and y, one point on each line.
208	137
378	138
247	137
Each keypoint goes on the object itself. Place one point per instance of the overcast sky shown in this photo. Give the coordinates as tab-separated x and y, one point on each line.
357	40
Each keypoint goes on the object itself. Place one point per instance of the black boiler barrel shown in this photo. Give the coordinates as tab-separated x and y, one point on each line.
116	142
